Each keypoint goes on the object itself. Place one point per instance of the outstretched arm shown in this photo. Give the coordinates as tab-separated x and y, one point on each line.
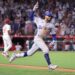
36	6
33	11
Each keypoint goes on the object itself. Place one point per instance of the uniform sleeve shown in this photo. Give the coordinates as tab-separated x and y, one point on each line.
52	26
31	16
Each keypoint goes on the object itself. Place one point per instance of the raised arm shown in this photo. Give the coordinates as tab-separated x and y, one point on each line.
35	6
34	9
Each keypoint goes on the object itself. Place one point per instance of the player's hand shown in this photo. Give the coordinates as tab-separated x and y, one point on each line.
51	46
36	6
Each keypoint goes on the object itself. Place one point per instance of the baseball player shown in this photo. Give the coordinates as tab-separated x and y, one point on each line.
43	27
6	37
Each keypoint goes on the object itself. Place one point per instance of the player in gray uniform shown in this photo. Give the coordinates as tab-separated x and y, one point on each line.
43	27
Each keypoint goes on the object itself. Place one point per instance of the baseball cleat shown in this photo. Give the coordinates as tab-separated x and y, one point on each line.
12	58
5	54
51	66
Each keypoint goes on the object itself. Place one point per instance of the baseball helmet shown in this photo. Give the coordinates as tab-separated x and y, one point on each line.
48	13
7	21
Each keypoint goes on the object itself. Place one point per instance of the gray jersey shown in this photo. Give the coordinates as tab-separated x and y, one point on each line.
41	23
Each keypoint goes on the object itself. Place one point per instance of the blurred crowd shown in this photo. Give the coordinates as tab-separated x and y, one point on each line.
19	12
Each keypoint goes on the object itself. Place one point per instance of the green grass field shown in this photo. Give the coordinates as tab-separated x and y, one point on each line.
62	59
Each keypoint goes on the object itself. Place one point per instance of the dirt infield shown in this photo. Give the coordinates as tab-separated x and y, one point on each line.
37	67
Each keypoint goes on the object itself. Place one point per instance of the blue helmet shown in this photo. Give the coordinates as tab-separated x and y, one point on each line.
48	13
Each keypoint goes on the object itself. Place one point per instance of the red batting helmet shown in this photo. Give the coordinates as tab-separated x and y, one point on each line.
7	21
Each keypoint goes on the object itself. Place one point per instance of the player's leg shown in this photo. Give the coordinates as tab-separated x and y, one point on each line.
9	43
24	54
5	53
29	52
41	44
